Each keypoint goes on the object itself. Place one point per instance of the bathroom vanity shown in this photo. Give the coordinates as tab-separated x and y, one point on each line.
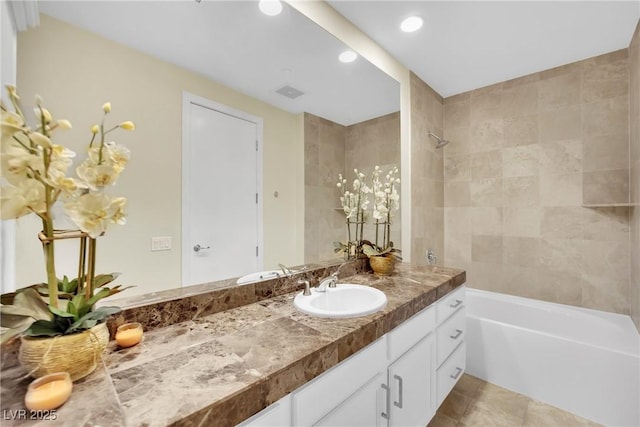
229	354
398	380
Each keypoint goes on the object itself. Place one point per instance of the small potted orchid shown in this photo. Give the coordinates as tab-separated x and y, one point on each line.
35	176
354	204
382	255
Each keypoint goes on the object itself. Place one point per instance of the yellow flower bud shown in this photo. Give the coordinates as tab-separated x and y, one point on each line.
42	113
64	124
40	139
106	107
128	125
95	129
11	90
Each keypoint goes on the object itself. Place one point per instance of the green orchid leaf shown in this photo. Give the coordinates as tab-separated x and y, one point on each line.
43	328
90	319
60	313
68	286
16	323
63	324
369	250
103	279
27	303
103	293
71	308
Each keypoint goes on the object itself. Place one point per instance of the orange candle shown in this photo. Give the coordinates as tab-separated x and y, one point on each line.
48	392
129	334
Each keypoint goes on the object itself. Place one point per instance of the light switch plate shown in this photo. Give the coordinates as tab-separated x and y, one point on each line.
161	243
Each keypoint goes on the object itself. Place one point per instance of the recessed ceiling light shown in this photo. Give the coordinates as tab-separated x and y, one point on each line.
348	56
270	7
411	24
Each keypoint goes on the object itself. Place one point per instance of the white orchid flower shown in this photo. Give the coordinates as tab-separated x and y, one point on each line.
97	177
22	199
92	212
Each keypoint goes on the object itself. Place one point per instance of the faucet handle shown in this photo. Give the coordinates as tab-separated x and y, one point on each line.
307	287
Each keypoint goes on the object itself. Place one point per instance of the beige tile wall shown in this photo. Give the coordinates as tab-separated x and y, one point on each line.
525	156
427	187
324	159
370	143
332	149
634	115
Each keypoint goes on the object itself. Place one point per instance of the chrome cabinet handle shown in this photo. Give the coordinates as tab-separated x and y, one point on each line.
457	374
384	414
457	304
399	402
198	248
457	335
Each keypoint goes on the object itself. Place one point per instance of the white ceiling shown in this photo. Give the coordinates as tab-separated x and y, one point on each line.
231	42
462	46
466	45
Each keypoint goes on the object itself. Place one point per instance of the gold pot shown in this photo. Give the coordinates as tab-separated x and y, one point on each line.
78	354
382	265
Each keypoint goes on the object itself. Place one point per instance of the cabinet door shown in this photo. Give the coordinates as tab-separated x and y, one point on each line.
412	385
362	409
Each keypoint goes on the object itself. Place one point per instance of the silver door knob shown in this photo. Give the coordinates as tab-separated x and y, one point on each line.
198	248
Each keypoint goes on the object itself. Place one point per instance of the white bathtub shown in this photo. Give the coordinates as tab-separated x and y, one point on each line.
584	361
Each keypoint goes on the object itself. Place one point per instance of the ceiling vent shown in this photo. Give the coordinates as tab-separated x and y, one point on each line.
289	92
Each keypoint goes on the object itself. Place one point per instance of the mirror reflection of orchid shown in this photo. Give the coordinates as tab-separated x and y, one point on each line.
386	202
354	204
34	177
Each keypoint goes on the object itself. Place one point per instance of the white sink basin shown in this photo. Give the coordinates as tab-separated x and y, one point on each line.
345	300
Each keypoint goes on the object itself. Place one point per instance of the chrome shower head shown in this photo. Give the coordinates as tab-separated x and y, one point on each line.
439	141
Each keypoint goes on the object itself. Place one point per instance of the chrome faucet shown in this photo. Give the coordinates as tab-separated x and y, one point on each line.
289	272
285	270
330	281
307	287
432	259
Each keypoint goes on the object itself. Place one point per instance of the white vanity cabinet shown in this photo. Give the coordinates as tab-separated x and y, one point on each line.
343	389
411	396
450	336
390	382
398	380
362	409
410	385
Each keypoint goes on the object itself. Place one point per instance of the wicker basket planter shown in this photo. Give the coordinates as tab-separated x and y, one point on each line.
78	354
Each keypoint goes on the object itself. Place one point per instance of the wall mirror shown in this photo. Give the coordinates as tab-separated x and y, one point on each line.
142	56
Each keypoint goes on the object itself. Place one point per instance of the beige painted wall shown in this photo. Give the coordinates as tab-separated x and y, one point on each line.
525	155
75	72
634	159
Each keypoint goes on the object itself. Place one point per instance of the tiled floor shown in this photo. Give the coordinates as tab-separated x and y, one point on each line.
476	403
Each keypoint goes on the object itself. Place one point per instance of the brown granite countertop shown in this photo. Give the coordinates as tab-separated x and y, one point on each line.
221	368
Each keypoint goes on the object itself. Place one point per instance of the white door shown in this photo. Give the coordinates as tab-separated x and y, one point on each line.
221	177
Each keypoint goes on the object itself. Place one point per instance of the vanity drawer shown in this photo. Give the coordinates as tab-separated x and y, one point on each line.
450	334
410	332
450	372
450	303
